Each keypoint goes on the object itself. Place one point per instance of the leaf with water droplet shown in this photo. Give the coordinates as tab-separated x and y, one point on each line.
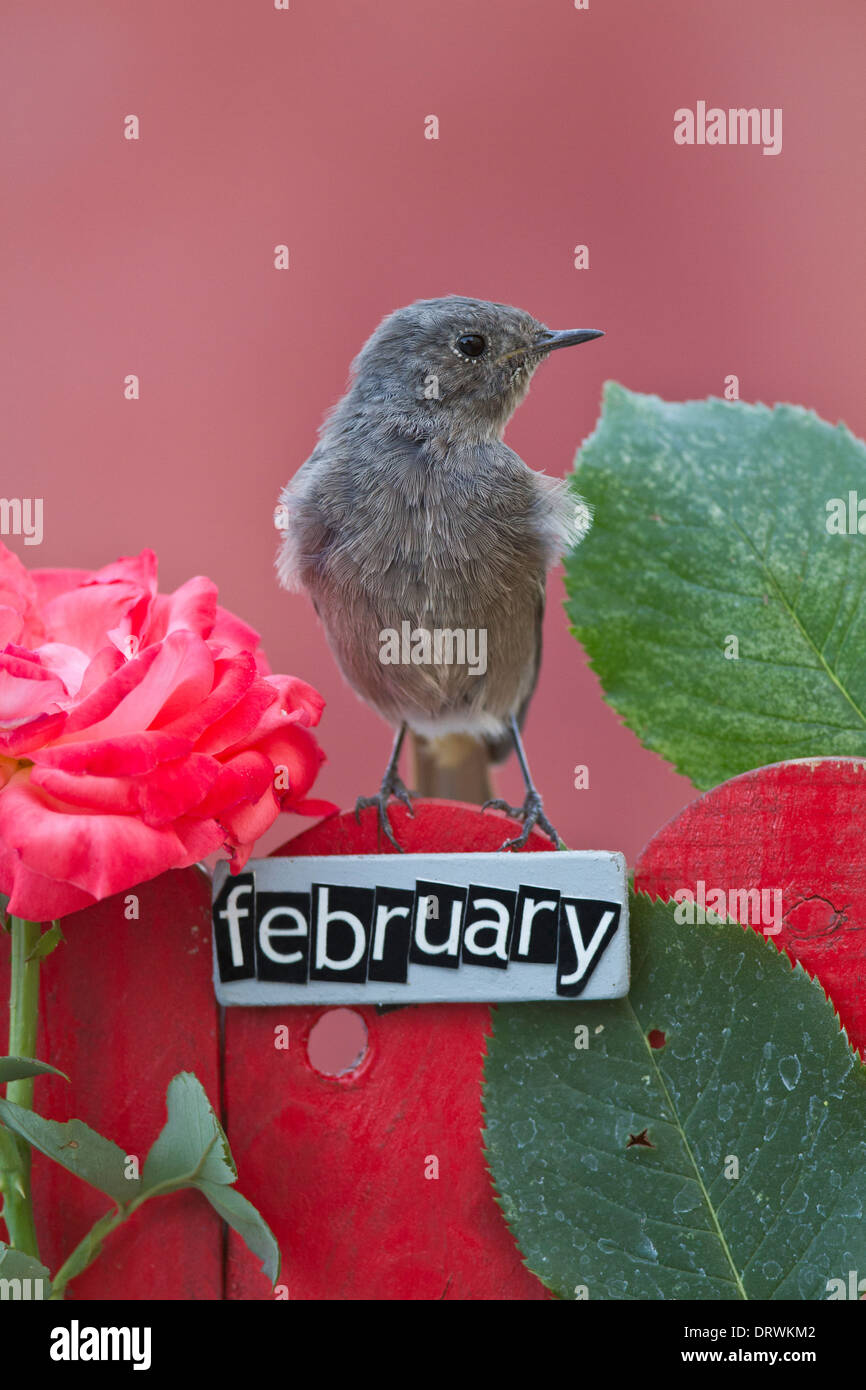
748	548
776	1086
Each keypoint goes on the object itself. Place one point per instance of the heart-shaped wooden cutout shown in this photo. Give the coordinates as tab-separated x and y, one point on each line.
797	827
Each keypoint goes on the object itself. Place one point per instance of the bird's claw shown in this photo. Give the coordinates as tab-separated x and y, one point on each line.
531	813
392	786
499	805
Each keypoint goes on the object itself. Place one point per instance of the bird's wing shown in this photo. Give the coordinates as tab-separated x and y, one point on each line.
560	519
498	749
306	529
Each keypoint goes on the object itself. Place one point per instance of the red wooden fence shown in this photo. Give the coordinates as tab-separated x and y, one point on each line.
797	826
337	1164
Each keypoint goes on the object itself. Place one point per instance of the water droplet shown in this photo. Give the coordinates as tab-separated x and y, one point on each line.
789	1070
687	1199
727	1095
645	1249
523	1132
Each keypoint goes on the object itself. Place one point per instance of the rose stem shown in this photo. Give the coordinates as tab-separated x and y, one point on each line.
23	1019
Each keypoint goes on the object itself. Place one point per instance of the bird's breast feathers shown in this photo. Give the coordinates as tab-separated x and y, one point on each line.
415	515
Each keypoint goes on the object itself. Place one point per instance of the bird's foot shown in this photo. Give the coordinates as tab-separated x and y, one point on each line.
391	786
531	813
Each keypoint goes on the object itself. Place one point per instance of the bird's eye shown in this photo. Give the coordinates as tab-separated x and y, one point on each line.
471	344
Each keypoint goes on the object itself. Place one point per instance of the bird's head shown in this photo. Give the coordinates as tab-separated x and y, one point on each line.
456	366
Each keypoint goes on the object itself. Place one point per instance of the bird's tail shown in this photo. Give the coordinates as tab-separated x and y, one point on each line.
454	767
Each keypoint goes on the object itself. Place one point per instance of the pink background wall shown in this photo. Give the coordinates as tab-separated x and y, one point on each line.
307	127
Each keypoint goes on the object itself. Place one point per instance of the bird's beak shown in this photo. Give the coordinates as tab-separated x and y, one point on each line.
550	339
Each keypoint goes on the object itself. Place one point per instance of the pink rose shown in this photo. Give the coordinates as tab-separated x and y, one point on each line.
139	732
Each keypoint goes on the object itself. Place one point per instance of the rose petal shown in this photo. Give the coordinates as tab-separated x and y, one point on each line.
233	676
244	779
93	710
49	584
33	896
100	854
312	806
175	789
68	664
83	617
171	677
180	678
127	754
199	838
292	702
298	695
232	634
27	688
242	725
245	823
141	570
28	737
19	616
295	749
102	666
11	624
192	607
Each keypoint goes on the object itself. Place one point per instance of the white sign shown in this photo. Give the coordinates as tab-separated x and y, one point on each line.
412	928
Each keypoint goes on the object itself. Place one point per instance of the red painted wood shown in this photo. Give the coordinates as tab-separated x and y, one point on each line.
798	826
125	1005
336	1165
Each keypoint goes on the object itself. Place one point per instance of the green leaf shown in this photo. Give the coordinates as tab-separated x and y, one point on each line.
192	1144
47	942
16	1068
15	1265
75	1146
242	1216
753	1068
192	1151
86	1251
710	521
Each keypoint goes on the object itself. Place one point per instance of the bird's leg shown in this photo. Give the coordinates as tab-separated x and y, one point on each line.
391	786
532	810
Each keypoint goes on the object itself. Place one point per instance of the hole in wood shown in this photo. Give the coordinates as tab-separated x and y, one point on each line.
337	1043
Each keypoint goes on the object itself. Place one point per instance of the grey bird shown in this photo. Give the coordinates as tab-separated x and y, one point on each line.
412	517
